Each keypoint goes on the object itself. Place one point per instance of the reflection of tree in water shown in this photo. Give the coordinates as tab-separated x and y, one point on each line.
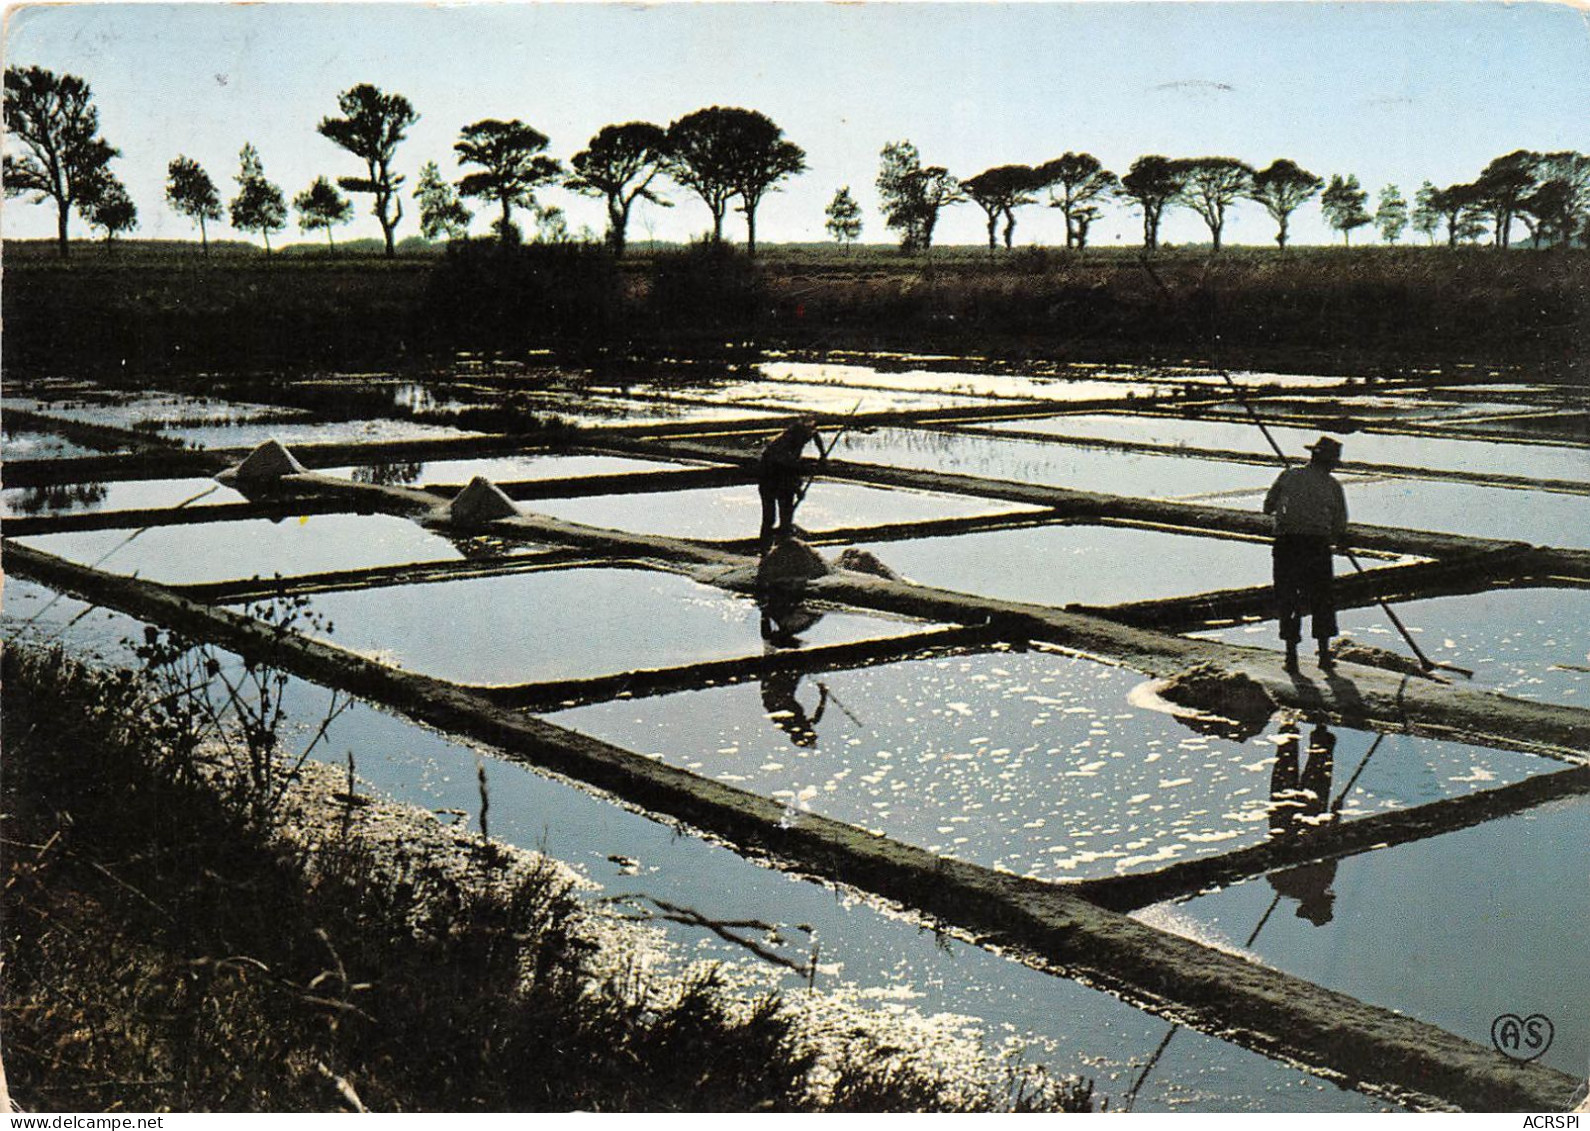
397	474
61	497
1300	792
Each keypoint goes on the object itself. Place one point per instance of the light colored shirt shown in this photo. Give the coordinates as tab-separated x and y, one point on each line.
1308	500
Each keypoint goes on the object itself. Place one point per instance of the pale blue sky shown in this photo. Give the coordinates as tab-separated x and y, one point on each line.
1394	92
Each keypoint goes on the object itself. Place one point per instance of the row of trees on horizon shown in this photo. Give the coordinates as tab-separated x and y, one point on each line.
729	156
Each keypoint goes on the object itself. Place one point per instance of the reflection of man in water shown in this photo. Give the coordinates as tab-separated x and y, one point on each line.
1310	517
782	624
1299	797
780	704
779	477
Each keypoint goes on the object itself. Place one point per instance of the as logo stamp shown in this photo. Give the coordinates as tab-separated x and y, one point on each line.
1522	1038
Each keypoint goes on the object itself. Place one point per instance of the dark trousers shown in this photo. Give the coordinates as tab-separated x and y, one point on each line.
778	502
1303	585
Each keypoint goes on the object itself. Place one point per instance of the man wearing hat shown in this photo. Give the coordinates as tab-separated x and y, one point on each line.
779	477
1310	518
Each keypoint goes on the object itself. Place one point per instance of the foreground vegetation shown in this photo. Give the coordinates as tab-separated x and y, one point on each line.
164	309
172	947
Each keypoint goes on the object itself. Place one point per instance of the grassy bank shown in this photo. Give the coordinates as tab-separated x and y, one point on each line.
166	950
165	308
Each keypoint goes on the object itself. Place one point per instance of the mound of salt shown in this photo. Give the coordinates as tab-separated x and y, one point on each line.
790	562
865	561
481	501
267	462
1226	696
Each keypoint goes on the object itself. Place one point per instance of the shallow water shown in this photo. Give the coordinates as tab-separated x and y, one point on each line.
594	410
1399	406
118	496
255	547
723	513
801	397
250	434
502	469
1088	565
1542	518
1514	640
957	385
1034	762
127	410
1455	930
878	960
1076	383
564	624
1054	465
25	444
1537	461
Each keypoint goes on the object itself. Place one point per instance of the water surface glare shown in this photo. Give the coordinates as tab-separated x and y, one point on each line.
1088	565
1032	762
877	960
564	624
1455	930
253	547
1537	461
250	434
500	469
1532	643
1541	518
131	494
24	443
722	513
1053	465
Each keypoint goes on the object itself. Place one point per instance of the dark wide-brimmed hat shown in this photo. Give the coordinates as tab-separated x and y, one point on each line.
1325	446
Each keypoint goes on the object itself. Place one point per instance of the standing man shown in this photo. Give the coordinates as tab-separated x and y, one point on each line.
779	477
1310	518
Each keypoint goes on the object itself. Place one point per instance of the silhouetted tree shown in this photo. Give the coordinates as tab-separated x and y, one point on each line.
913	195
513	165
761	158
441	212
1560	202
321	206
1460	207
1283	187
844	217
999	192
702	160
191	193
110	209
54	118
1426	217
1391	214
371	127
723	152
1077	182
1153	182
259	205
1502	187
1210	185
1343	203
619	165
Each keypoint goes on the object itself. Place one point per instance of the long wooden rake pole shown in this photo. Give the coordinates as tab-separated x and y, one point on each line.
1424	661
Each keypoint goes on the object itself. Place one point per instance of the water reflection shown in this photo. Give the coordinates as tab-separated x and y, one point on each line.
396	474
1300	789
61	497
782	623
